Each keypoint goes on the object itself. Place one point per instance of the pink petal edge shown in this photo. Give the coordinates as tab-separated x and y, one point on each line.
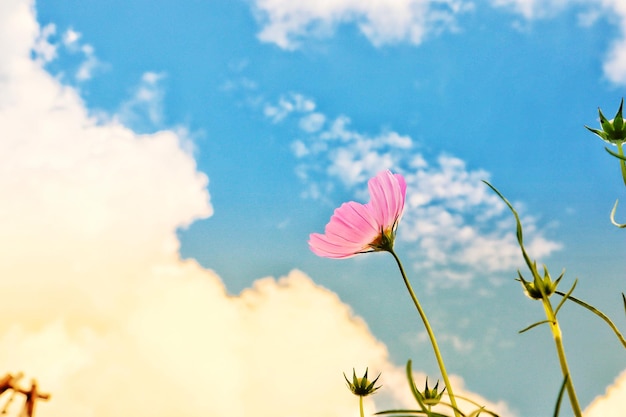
353	226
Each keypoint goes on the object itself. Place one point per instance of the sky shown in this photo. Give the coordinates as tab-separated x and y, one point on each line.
163	164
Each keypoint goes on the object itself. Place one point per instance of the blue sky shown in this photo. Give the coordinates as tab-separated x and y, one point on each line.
280	111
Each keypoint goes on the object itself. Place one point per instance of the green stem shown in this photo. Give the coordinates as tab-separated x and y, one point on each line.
431	335
361	405
622	163
558	341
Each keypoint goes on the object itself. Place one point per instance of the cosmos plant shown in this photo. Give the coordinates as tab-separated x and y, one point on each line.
614	133
356	229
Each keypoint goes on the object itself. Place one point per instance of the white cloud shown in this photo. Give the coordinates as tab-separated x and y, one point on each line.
104	313
286	23
460	228
612	403
614	11
70	40
71	37
43	49
457	221
615	63
312	122
143	111
89	64
299	149
46	50
532	9
288	104
459	344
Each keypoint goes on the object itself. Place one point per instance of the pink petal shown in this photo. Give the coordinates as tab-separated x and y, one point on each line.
353	222
402	195
350	230
353	226
387	198
320	245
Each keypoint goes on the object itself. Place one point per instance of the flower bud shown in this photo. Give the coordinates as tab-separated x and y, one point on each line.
430	396
361	386
540	286
613	131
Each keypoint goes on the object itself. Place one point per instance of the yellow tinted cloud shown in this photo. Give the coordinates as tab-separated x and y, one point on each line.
96	303
612	403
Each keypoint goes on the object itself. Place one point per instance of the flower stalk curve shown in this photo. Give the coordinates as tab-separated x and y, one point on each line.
356	228
429	331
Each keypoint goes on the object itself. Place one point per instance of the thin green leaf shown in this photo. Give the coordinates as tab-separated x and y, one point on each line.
600	133
410	413
565	297
615	154
453	407
533	325
407	412
624	298
606	125
416	394
599	314
477	405
520	236
407	415
558	280
560	397
620	225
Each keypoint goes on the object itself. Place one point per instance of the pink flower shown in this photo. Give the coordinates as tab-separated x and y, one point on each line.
357	228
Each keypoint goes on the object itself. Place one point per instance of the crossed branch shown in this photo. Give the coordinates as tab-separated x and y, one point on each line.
9	382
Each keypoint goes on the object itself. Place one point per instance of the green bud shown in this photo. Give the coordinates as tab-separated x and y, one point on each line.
431	396
361	386
540	286
613	131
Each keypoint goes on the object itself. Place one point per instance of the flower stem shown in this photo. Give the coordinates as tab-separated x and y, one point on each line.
361	405
431	335
622	163
558	341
